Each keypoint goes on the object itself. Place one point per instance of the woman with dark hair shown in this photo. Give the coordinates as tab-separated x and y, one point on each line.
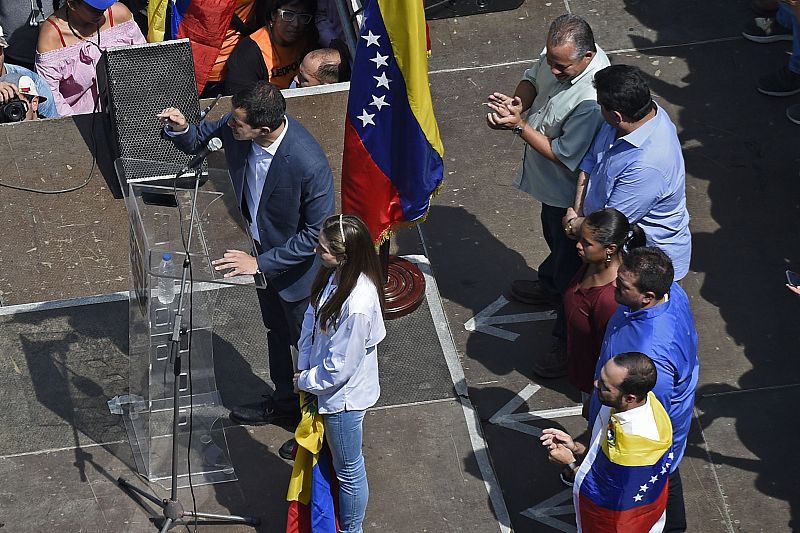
338	359
71	42
274	52
589	299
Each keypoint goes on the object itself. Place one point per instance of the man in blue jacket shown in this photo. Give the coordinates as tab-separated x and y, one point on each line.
284	185
654	318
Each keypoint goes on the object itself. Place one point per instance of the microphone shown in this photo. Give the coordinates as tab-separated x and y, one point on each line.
213	145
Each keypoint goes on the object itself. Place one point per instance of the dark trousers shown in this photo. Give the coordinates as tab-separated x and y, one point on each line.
676	510
283	321
557	270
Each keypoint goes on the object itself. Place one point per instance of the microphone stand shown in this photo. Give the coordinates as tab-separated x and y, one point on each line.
173	510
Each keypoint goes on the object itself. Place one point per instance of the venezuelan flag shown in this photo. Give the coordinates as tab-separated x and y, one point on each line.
312	487
203	22
621	487
392	162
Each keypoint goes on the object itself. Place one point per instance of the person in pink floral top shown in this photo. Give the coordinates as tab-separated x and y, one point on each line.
71	42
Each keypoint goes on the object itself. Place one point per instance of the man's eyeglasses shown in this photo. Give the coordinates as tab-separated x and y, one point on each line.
291	16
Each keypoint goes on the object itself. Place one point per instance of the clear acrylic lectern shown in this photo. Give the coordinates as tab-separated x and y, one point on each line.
160	213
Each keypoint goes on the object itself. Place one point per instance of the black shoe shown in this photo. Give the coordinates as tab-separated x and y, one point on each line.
264	413
532	292
286	451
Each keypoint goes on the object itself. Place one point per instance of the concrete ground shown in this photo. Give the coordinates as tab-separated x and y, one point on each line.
739	473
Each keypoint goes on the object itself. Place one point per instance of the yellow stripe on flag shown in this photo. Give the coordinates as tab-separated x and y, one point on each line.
633	450
156	20
405	23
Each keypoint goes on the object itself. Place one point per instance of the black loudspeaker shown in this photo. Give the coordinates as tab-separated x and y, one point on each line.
442	9
140	81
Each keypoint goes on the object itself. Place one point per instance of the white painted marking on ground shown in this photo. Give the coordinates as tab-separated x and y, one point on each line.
507	418
484	320
543	512
471	418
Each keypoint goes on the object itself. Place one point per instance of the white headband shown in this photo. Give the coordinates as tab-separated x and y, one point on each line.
341	229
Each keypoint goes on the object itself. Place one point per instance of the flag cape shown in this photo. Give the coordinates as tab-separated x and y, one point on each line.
203	22
392	162
622	483
312	489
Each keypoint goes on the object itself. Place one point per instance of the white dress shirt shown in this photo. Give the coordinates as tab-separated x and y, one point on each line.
340	366
258	162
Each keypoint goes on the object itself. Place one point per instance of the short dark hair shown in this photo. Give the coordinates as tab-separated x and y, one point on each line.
263	105
572	28
642	374
309	5
652	268
328	73
624	89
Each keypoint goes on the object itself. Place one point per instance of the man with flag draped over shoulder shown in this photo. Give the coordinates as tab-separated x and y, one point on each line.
621	484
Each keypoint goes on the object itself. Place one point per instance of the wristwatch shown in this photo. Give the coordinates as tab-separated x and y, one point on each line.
518	129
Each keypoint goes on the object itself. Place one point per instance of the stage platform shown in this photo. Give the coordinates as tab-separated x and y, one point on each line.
60	449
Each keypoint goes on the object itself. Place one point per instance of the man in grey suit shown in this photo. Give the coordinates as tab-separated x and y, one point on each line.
284	185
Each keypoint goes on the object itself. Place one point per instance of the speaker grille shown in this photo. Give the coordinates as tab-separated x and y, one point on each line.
141	81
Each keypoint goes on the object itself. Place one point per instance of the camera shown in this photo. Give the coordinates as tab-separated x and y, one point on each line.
14	110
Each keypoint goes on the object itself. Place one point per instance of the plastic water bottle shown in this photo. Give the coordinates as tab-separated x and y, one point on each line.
166	285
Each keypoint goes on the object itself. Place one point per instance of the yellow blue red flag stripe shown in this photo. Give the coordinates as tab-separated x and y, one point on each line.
393	152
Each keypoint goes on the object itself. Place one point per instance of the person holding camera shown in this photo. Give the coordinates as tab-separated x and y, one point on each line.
10	91
25	104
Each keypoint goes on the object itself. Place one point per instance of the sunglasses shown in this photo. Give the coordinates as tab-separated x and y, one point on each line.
291	16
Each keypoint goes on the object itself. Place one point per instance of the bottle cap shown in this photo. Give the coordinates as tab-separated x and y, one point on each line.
167	256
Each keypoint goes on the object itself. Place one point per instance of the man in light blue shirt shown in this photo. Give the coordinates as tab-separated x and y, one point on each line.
635	165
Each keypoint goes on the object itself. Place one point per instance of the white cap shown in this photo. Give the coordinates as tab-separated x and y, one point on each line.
28	88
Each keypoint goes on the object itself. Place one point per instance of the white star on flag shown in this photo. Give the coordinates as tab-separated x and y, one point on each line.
382	80
638	498
671	456
643	488
653	479
667	464
663	471
379	102
371	39
380	60
366	118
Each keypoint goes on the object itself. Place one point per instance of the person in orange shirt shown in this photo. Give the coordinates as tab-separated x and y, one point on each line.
243	23
274	52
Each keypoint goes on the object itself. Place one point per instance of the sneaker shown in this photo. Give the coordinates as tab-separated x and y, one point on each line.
553	364
533	293
793	113
781	83
766	30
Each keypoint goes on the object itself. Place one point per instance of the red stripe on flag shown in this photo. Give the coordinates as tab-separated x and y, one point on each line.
298	518
596	519
365	186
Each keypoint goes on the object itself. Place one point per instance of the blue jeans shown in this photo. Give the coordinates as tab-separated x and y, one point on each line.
786	18
343	433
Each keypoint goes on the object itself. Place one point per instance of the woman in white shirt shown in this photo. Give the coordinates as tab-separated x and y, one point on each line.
338	360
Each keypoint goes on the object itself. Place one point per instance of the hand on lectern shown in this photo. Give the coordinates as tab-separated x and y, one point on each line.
239	263
173	118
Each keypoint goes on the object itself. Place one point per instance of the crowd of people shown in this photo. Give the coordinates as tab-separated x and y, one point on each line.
604	160
58	44
601	156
